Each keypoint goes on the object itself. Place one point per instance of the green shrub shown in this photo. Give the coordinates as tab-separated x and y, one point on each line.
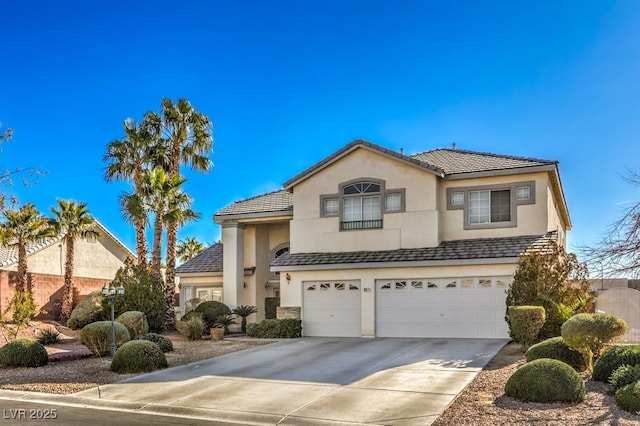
623	376
138	356
628	398
142	292
97	336
87	311
165	344
49	336
225	321
556	348
614	358
555	315
211	311
24	306
243	311
23	353
525	322
589	333
545	380
135	321
192	326
275	328
271	307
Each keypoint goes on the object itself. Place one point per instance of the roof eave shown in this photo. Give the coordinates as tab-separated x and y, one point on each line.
199	274
284	214
404	264
501	172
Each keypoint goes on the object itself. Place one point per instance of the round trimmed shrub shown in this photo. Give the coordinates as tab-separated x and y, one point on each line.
97	336
87	311
628	398
135	321
211	311
556	348
614	358
545	380
138	356
525	322
164	343
23	353
623	376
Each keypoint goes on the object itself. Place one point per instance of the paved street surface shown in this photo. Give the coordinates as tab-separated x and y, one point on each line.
308	381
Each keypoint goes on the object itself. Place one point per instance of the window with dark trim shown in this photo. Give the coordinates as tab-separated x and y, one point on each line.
362	203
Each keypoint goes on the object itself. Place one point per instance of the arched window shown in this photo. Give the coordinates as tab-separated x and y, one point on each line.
276	253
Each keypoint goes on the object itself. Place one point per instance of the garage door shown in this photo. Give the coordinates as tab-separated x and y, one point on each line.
456	307
331	308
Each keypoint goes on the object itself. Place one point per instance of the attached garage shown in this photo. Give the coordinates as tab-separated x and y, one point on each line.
450	307
331	308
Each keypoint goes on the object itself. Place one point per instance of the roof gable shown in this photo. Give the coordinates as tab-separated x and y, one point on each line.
276	202
209	260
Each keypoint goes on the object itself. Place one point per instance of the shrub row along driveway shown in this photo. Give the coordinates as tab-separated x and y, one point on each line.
384	380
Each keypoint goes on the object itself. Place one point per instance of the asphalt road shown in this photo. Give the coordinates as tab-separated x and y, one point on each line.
14	412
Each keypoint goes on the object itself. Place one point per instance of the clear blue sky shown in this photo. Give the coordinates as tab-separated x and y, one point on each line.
287	83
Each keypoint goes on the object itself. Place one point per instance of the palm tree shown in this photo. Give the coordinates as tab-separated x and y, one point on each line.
74	221
188	248
23	227
244	311
128	159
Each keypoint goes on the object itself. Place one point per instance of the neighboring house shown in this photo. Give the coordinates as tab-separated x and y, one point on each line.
370	242
96	263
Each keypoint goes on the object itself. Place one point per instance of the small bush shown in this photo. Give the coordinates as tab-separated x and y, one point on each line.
87	311
589	333
628	398
138	356
614	358
556	348
192	326
49	336
211	311
164	343
545	380
97	336
525	322
275	328
623	376
135	321
225	321
23	353
24	306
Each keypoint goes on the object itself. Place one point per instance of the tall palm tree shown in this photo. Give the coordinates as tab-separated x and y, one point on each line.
22	227
187	140
74	221
128	159
188	248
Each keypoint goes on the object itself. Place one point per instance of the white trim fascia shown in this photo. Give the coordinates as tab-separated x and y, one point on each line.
219	219
114	238
501	172
198	274
379	265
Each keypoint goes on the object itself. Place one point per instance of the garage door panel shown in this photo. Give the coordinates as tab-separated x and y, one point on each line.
468	307
331	309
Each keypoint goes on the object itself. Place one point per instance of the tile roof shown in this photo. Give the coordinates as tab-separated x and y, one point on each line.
209	260
273	202
454	161
482	248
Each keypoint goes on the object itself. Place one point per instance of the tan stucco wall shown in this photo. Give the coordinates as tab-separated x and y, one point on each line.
98	259
291	292
532	219
416	227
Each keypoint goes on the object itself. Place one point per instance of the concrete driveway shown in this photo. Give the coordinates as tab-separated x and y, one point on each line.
313	381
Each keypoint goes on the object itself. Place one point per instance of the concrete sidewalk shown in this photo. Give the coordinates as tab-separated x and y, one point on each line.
305	381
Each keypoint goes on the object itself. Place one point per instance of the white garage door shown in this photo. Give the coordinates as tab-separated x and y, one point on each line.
456	307
331	308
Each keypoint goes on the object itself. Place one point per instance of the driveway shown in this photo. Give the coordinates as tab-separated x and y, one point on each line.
313	381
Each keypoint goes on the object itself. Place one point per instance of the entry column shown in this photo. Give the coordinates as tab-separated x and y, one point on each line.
233	263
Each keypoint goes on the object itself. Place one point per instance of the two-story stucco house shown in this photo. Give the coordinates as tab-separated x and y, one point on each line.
370	242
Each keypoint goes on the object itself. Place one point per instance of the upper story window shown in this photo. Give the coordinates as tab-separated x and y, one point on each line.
491	206
276	253
361	204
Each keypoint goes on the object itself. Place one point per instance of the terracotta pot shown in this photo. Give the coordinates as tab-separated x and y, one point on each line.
217	333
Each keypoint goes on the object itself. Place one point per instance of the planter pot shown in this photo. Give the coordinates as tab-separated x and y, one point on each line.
217	333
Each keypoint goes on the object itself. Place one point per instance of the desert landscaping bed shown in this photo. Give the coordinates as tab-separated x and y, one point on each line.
483	402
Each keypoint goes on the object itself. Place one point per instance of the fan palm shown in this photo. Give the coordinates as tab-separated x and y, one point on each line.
74	221
22	227
244	311
188	248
